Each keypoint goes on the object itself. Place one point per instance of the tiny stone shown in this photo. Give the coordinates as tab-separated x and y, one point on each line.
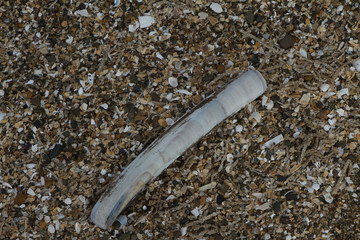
83	13
104	106
68	201
287	42
103	172
324	87
238	128
51	229
34	148
173	82
256	116
203	15
303	52
47	219
342	92
216	7
146	21
169	121
122	220
31	192
183	231
77	227
195	212
328	198
357	65
162	122
38	72
305	99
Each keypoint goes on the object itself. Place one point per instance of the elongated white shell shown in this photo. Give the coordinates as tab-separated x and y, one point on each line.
176	140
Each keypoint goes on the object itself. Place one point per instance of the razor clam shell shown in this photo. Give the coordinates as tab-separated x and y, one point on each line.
176	140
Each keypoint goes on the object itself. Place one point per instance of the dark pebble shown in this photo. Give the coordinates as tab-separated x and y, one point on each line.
284	219
208	78
219	199
276	206
249	16
55	151
184	221
287	42
291	196
280	178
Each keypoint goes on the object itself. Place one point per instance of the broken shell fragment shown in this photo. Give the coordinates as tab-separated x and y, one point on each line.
176	140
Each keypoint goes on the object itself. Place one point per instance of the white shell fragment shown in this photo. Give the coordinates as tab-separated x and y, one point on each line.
173	82
357	65
176	140
305	99
274	141
83	13
324	87
216	7
146	21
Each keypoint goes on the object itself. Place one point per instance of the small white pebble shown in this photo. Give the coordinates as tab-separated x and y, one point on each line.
267	236
195	212
67	201
133	27
146	21
229	158
38	72
31	165
316	186
51	229
328	198
81	91
305	99
103	172
339	9
303	52
34	148
104	106
69	40
256	116
341	112
47	219
77	227
238	128
332	121
276	140
183	231
2	92
169	121
116	3
269	105
173	82
342	92
203	15
84	106
82	199
356	64
122	220
159	56
216	7
327	127
324	87
347	179
31	192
